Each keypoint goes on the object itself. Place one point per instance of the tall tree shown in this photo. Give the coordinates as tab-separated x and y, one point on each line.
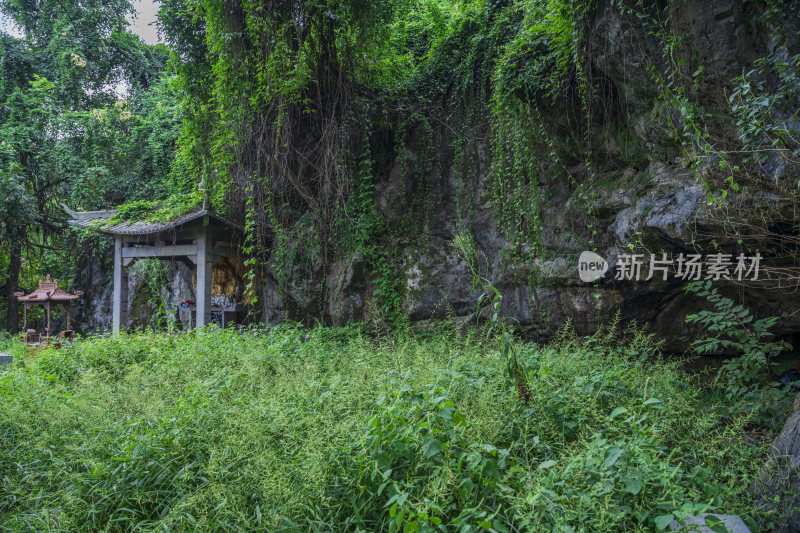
66	134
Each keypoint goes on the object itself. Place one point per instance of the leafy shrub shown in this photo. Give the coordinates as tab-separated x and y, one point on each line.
416	468
745	379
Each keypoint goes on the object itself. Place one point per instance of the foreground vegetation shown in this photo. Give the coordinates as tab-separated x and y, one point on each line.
331	430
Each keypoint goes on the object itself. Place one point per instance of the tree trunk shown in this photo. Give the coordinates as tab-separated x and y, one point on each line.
12	285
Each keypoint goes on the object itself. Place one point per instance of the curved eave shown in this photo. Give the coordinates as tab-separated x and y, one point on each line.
26	299
99	222
48	296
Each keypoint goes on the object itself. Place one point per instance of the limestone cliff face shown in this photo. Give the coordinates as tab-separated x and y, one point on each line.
93	314
648	196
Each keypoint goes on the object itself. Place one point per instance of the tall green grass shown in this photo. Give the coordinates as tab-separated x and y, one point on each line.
9	343
330	430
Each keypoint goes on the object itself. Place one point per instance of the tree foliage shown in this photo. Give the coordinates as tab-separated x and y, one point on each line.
68	135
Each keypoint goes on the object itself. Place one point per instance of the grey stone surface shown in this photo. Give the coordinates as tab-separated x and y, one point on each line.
780	477
179	288
437	282
272	307
5	359
93	311
650	197
732	523
346	285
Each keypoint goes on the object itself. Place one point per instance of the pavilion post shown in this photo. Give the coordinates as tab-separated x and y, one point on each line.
119	310
203	297
163	240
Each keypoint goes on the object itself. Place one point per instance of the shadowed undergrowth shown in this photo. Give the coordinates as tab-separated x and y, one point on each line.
330	430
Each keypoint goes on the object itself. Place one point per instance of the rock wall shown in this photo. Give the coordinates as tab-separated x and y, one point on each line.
648	196
144	308
94	315
93	312
778	484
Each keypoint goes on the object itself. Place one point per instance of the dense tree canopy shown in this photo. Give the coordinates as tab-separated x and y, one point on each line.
86	117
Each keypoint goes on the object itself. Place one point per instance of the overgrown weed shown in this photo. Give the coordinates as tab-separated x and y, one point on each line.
332	430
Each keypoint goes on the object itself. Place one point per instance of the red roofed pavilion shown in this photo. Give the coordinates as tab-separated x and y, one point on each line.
46	295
